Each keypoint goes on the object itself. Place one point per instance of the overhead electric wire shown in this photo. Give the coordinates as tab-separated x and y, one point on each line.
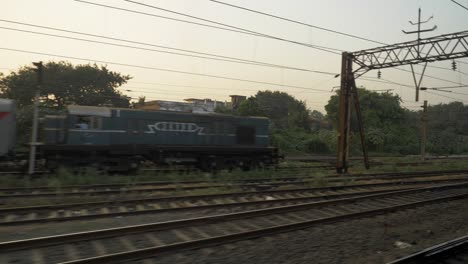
456	99
153	90
429	76
322	48
312	26
189	86
160	69
214	88
298	22
447	87
163	17
385	81
239	30
244	31
167	52
464	7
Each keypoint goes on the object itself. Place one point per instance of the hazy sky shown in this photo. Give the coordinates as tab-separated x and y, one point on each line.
374	19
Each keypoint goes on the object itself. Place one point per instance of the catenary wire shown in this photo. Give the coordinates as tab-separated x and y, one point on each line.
441	95
242	31
322	48
214	88
464	7
168	52
298	22
159	69
314	26
82	1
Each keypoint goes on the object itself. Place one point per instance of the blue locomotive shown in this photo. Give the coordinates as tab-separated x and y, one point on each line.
120	139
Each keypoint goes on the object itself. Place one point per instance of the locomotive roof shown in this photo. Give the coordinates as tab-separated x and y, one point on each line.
107	111
89	110
7	104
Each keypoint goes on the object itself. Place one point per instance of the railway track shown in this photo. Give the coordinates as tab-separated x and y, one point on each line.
203	204
124	244
161	186
206	204
450	252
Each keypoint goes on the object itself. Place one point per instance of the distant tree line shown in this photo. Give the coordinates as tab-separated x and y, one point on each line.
389	128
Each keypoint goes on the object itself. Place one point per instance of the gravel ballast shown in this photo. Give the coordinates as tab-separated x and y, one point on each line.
377	239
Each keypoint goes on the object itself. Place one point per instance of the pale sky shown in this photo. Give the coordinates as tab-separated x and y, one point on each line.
374	19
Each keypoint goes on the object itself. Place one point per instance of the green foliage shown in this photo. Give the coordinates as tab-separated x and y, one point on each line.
225	110
250	107
447	128
66	84
388	126
284	110
300	141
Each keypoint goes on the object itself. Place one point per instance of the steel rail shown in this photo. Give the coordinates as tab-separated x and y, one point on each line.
137	254
221	195
272	202
250	183
112	232
437	253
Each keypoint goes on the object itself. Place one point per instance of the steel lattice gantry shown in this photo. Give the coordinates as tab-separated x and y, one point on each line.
444	47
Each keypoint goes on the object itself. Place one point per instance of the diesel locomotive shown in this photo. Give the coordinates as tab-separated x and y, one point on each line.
117	139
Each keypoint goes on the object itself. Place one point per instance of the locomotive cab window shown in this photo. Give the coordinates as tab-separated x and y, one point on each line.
245	135
88	122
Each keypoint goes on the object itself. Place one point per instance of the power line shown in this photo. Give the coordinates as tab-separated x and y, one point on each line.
244	31
456	99
322	48
163	17
447	87
189	86
314	26
161	69
151	90
466	8
235	60
238	30
214	88
298	22
429	76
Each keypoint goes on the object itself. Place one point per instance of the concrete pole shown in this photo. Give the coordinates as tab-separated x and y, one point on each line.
33	145
423	130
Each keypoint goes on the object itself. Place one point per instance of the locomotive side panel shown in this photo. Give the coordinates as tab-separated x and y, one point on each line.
124	137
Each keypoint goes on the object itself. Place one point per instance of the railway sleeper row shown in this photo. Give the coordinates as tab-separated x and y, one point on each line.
215	202
194	184
158	189
144	241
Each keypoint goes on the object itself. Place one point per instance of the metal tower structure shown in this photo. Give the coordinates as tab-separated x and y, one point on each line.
439	48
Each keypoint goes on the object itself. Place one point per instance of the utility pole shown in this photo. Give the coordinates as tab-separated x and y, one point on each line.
33	145
348	90
440	48
418	48
423	130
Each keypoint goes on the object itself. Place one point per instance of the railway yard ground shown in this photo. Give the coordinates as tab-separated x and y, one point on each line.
299	212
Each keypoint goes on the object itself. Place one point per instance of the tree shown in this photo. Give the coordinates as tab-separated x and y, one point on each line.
250	107
283	110
388	127
64	83
317	115
140	102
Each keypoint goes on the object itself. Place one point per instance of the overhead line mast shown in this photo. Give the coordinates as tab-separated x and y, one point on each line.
439	48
